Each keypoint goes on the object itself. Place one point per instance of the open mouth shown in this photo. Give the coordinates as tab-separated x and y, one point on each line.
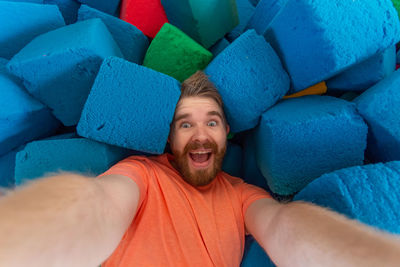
200	159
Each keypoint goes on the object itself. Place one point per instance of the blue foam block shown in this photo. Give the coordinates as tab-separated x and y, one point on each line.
26	1
219	46
21	22
22	118
250	79
59	67
232	163
68	8
254	255
369	193
380	108
77	154
398	57
300	139
132	42
7	166
245	11
107	6
125	109
365	74
318	39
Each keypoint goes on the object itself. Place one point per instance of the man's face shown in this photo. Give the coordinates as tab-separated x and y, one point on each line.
198	139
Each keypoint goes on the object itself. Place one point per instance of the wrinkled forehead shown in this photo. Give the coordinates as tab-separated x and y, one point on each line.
194	104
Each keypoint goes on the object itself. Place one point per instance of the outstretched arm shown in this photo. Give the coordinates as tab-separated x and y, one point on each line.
65	220
302	234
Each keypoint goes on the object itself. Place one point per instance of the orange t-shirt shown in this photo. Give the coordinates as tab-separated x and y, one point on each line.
177	224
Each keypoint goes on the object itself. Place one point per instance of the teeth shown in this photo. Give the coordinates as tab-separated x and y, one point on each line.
199	152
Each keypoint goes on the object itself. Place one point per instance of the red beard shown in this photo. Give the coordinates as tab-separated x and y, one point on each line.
199	177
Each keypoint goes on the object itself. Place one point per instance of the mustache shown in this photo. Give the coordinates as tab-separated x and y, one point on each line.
197	145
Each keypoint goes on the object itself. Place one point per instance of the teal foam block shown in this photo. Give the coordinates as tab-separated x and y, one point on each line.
205	21
369	193
245	11
219	46
365	74
22	22
125	109
68	8
80	155
254	255
107	6
300	139
59	67
22	118
250	79
7	167
232	163
318	39
132	42
380	108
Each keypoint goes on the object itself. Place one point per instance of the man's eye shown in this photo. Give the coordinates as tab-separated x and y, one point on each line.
185	125
212	123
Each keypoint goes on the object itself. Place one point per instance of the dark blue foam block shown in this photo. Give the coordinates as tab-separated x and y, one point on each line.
21	22
367	73
59	67
250	79
107	6
245	11
232	163
77	154
369	193
219	46
318	39
27	1
7	166
302	138
398	57
132	42
254	255
68	8
22	118
125	109
380	108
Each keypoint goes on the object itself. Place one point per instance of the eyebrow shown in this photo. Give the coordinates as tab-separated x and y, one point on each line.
215	113
186	115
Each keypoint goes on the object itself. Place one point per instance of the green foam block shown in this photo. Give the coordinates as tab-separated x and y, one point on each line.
174	53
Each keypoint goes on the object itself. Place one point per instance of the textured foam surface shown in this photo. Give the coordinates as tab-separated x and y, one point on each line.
68	8
370	194
300	139
132	42
206	21
174	53
254	255
367	73
245	11
232	163
107	6
318	39
125	109
21	22
78	155
147	15
59	67
380	107
250	79
22	118
219	46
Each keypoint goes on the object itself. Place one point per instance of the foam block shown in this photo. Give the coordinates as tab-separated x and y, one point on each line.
219	46
26	1
21	22
107	6
59	67
125	109
380	108
396	4
232	163
147	15
174	53
245	11
368	193
318	39
78	155
206	21
22	118
68	8
367	73
299	139
254	255
132	42
250	79
7	166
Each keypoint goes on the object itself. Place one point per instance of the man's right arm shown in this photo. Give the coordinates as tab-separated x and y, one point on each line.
66	220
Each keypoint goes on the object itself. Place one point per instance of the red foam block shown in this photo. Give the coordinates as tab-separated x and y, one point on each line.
147	15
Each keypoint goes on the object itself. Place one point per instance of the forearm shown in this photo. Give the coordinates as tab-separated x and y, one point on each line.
57	221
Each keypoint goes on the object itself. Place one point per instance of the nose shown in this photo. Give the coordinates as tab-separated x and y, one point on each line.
200	135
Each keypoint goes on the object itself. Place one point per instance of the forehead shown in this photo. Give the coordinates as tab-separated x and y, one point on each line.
196	104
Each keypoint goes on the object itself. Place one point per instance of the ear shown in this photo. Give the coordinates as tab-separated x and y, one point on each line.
227	129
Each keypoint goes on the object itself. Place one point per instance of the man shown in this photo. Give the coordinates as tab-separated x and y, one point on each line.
177	210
